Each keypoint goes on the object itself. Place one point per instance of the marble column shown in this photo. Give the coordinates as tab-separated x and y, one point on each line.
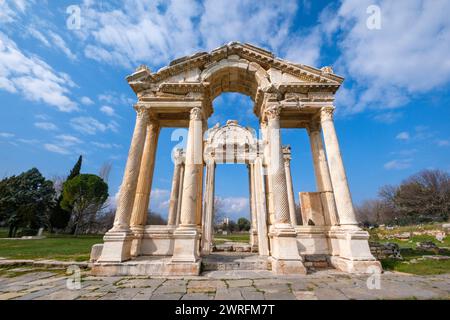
322	173
180	194
174	194
285	255
341	190
290	187
276	167
144	185
117	241
252	196
350	251
261	212
187	235
208	216
266	176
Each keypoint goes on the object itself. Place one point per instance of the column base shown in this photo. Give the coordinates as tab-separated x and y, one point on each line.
186	246
351	251
147	266
284	255
356	266
281	266
254	240
138	234
116	246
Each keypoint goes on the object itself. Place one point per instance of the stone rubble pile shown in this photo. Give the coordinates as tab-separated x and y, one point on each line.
385	250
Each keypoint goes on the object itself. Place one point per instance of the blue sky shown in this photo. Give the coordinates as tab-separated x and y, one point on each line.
63	90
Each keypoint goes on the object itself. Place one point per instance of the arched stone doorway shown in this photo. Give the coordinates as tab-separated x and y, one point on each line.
228	144
285	95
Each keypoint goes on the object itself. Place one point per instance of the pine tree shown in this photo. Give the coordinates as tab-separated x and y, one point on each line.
76	169
60	217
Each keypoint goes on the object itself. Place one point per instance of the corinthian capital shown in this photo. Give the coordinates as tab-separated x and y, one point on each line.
273	112
142	112
196	114
326	113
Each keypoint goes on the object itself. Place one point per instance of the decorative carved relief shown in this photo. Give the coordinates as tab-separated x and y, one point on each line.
196	114
326	113
273	112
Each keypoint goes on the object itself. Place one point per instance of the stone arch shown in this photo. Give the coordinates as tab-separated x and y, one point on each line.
234	74
231	143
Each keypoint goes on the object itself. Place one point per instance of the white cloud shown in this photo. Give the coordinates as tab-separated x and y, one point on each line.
388	117
10	10
7	135
46	125
159	200
443	143
233	205
258	22
398	164
91	126
32	31
29	141
306	49
108	111
56	148
176	28
86	101
105	145
42	117
403	136
59	43
64	144
407	56
68	140
32	78
115	98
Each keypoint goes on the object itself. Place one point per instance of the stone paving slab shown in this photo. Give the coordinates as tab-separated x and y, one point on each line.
38	284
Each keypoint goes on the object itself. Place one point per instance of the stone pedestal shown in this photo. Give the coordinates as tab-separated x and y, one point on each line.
138	234
354	254
285	257
185	247
117	246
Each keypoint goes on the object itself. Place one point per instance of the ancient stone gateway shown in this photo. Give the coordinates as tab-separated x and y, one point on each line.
285	95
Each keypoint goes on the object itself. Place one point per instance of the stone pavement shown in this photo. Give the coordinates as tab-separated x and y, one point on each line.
26	283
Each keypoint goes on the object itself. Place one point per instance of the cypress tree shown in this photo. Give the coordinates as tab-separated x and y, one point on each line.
76	169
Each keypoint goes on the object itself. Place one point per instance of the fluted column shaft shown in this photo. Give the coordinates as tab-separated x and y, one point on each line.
144	185
322	173
174	194
130	179
276	167
193	166
337	172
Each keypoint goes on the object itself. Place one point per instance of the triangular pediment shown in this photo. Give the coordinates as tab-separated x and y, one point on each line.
188	65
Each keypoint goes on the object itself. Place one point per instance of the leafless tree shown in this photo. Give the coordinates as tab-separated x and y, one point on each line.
58	182
105	171
155	218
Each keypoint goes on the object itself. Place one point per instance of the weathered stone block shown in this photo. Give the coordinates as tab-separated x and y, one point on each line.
312	210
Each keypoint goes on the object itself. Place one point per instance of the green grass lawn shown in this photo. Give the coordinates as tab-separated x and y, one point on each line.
409	251
411	264
61	247
234	237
